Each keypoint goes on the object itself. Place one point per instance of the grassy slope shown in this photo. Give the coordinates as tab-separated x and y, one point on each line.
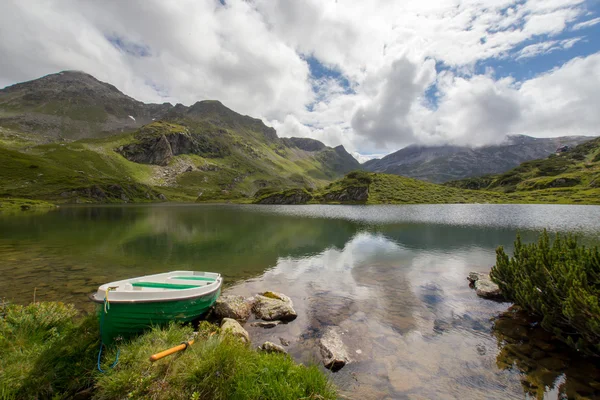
394	189
570	177
388	189
18	206
55	171
61	171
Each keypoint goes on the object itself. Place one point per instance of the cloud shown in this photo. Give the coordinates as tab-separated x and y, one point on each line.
405	71
563	101
384	117
586	24
534	50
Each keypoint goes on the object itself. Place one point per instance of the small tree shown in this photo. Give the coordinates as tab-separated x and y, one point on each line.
558	281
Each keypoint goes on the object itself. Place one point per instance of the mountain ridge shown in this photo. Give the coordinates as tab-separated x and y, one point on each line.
439	164
126	150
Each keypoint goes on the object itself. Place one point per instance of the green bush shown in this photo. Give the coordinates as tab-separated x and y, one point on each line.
558	281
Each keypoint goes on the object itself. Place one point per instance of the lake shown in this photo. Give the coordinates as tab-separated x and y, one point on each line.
393	278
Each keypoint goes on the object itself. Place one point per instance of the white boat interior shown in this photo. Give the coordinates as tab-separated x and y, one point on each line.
169	286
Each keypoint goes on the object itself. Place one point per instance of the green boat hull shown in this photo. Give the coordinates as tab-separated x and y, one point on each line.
128	319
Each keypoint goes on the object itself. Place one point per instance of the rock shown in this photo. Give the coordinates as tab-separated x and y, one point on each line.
162	197
266	324
271	306
290	196
474	276
232	327
124	197
232	306
333	350
284	341
351	194
272	348
484	286
189	169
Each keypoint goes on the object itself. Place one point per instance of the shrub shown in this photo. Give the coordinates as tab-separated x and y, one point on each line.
559	282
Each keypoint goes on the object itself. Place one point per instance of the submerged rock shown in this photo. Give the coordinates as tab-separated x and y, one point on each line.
233	306
484	286
333	350
232	327
272	348
271	306
266	324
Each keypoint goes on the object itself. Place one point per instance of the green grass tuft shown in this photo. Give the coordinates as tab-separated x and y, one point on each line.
212	368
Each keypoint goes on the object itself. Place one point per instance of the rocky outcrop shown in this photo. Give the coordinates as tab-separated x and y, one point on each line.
271	306
333	350
305	144
484	286
112	192
269	347
291	196
233	328
232	306
351	194
158	142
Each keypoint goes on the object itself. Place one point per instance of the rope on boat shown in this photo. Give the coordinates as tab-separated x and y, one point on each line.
106	308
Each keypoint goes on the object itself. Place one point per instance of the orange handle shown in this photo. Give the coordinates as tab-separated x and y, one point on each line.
172	350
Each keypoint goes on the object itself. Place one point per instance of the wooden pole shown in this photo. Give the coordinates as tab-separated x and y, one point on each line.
172	350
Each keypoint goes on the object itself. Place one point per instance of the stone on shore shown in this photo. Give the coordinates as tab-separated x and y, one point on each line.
271	306
233	306
484	286
333	350
232	327
272	348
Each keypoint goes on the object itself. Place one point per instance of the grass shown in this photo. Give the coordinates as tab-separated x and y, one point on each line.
48	351
20	206
45	351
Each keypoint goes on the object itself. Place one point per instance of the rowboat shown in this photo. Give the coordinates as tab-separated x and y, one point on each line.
132	305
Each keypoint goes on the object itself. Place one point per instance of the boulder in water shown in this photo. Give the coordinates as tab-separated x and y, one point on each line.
333	350
271	306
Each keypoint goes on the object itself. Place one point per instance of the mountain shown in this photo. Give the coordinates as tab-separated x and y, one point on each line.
571	175
575	167
445	163
70	137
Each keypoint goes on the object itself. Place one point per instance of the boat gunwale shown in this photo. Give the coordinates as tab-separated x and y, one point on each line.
219	282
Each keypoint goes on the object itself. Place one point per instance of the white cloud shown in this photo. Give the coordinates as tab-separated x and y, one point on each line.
534	50
586	24
250	54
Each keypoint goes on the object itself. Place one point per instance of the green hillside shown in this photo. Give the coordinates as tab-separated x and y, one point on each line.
68	137
204	163
360	187
572	176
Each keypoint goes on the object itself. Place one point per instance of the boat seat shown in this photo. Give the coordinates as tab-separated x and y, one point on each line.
160	285
194	278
